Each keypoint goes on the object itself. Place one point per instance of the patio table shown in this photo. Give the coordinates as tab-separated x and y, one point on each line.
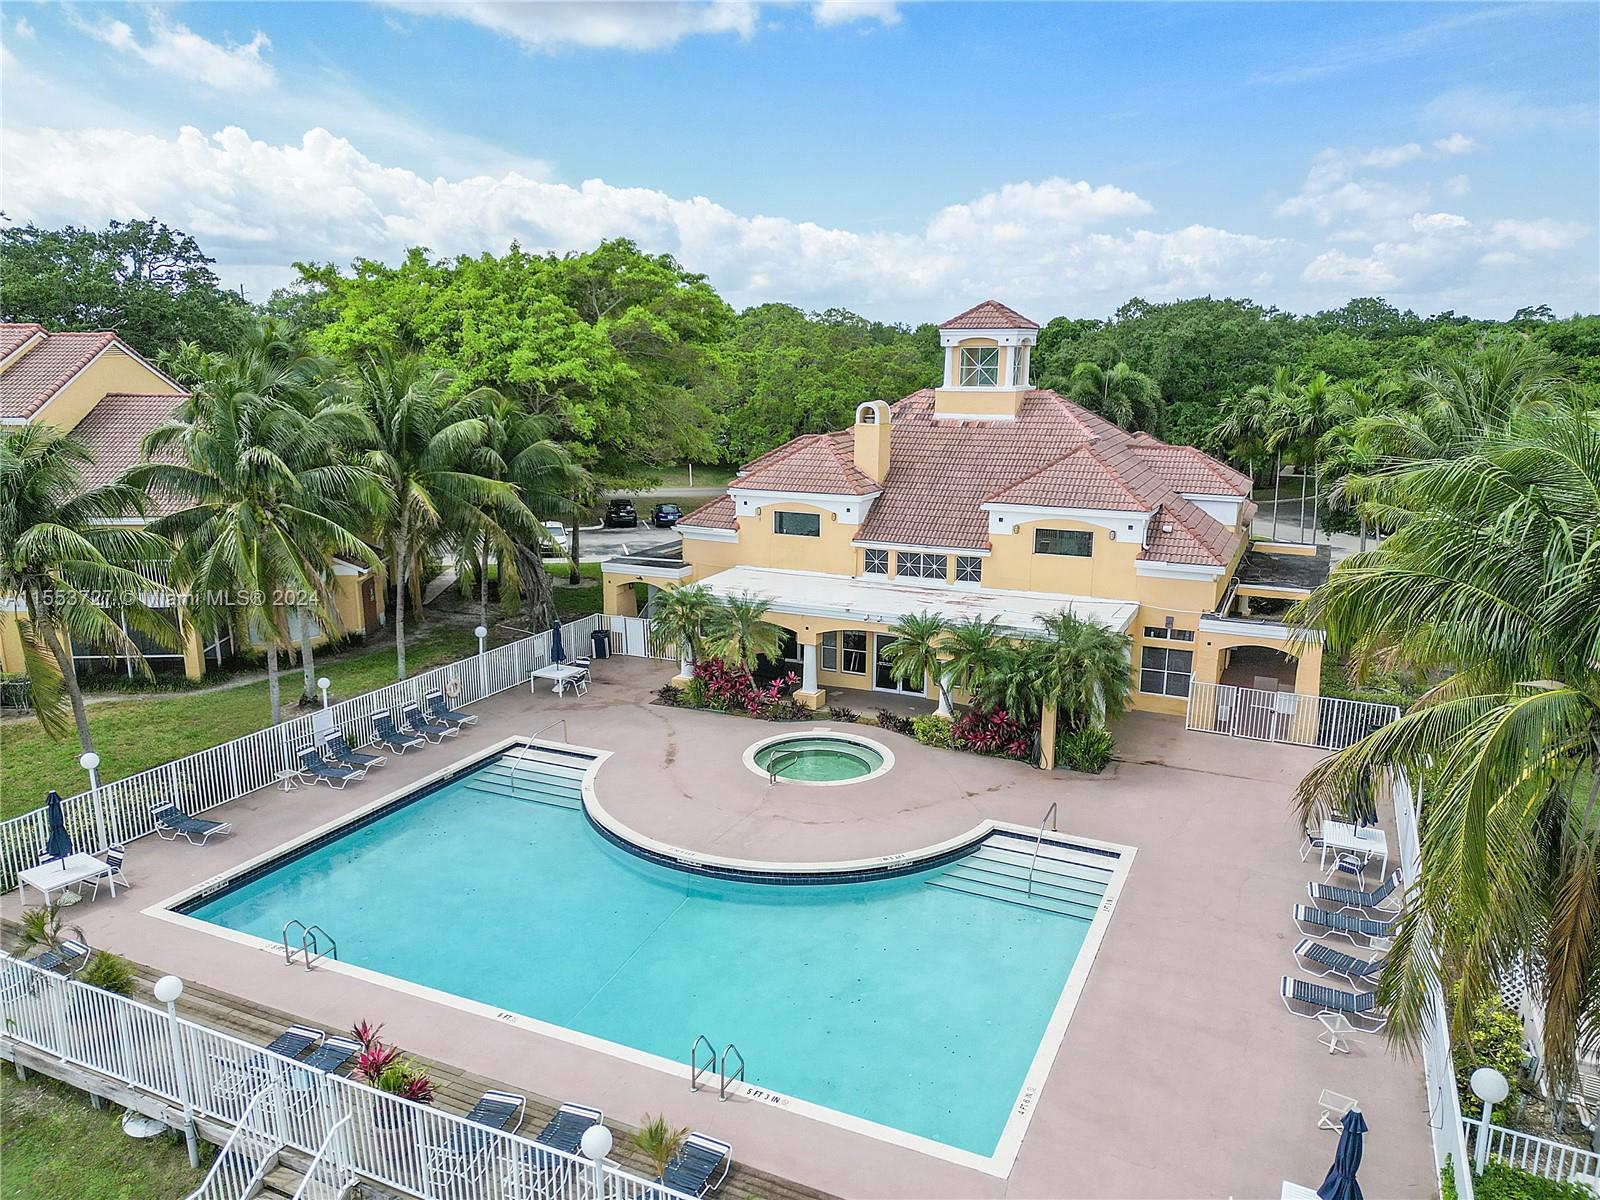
61	874
1364	840
561	673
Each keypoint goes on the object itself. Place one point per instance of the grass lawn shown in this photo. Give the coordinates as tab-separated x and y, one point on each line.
573	601
134	735
55	1145
704	476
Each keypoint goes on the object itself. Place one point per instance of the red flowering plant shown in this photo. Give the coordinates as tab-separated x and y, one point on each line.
381	1065
730	689
994	732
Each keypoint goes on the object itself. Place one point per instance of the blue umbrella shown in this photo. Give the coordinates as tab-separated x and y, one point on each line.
1341	1181
1363	808
58	842
558	652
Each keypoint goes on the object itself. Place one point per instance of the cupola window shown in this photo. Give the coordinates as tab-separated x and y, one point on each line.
980	366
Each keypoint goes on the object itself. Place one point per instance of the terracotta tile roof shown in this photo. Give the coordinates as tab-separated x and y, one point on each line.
13	336
1189	469
1181	533
718	514
991	314
113	431
1085	479
39	374
817	462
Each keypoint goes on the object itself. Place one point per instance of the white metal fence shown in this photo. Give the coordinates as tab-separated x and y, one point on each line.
411	1148
1536	1155
222	773
1323	721
1439	1068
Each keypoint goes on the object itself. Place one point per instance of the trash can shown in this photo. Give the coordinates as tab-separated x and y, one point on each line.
600	643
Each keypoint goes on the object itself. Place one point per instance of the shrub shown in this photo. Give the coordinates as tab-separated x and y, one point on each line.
1501	1181
932	730
694	696
895	723
786	710
730	689
1495	1040
109	972
994	732
659	1142
1088	749
669	695
845	716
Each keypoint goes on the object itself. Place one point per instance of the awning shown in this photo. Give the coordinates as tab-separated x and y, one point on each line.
884	602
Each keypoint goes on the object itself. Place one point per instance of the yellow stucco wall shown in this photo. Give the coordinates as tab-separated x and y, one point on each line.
10	644
113	371
707	557
832	551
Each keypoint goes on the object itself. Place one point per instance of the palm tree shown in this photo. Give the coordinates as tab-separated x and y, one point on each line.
1490	582
61	545
1130	398
265	503
916	654
1083	669
423	451
970	648
738	633
679	618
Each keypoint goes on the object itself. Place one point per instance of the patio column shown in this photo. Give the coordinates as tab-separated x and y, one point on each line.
809	694
1047	738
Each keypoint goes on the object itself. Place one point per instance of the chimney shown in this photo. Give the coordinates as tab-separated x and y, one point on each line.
872	440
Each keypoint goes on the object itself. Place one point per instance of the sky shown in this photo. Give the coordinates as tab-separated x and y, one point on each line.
903	160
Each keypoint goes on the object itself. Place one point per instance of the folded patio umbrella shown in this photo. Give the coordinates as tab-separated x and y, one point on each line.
57	840
1341	1181
558	652
1363	808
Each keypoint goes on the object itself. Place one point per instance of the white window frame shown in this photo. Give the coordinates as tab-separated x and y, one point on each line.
978	366
828	651
777	520
1059	553
867	561
1158	632
849	653
1018	357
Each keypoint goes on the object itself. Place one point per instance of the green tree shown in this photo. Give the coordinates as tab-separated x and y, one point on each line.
738	633
1122	395
63	545
151	284
1082	668
916	654
680	619
970	647
1490	583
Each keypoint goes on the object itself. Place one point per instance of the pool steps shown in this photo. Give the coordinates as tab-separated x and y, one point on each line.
543	777
1062	883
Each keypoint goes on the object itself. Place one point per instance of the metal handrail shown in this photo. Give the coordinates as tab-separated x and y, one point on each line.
566	737
722	1069
310	941
288	953
772	764
695	1070
1049	819
329	1159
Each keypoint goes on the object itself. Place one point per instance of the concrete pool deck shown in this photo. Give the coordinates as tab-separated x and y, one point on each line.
1181	1074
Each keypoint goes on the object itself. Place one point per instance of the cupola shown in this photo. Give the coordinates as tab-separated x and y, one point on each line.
987	356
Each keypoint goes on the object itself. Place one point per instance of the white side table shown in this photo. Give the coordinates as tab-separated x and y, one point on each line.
1339	1029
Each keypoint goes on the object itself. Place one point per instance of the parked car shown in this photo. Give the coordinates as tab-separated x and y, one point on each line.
665	516
620	514
558	539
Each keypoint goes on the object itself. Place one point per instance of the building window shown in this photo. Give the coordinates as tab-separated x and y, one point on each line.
877	563
829	643
1075	542
980	366
1165	672
1169	635
969	568
797	524
1018	375
919	566
845	651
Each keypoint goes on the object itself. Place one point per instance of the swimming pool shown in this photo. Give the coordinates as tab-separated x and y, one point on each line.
918	1001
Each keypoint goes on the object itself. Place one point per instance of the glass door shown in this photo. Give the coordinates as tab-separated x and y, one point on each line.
883	678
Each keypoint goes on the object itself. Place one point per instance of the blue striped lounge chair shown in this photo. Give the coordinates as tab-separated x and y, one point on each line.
414	720
1322	959
390	736
1321	923
338	750
331	1054
436	708
172	823
1345	899
318	769
694	1168
540	1173
1305	999
235	1080
66	957
462	1156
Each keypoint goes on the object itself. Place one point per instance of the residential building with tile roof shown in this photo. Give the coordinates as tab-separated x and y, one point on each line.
988	490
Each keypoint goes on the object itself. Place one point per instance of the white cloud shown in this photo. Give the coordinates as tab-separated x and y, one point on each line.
595	24
23	28
175	49
1457	185
1456	143
1389	156
1541	235
845	12
1505	112
1331	192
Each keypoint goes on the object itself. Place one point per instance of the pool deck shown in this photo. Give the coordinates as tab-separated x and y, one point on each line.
1180	1075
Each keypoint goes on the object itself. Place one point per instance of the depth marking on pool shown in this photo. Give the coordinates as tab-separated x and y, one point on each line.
777	1099
1025	1101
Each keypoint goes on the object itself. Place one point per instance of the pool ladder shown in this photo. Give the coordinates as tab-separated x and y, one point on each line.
772	764
1050	820
697	1068
311	939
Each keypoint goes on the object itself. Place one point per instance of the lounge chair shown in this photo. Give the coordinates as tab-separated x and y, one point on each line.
314	768
115	857
172	823
1351	898
436	708
461	1157
338	750
565	1130
233	1079
331	1054
391	737
693	1169
414	720
540	1173
1346	925
1319	998
1322	959
66	957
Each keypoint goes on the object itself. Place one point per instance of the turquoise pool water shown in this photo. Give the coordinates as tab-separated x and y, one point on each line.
819	759
914	1006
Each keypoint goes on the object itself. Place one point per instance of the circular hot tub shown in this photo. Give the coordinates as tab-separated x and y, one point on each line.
823	758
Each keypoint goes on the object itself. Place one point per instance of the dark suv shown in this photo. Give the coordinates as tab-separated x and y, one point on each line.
620	514
665	516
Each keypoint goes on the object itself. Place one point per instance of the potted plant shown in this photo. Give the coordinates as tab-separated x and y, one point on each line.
41	929
659	1142
383	1067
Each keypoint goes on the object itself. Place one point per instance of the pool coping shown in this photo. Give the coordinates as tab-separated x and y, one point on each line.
885	756
998	1164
